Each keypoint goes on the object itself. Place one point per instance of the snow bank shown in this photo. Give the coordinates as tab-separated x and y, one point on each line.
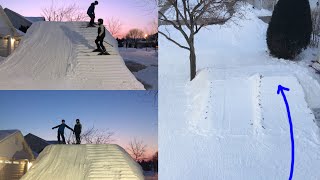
84	162
58	55
229	122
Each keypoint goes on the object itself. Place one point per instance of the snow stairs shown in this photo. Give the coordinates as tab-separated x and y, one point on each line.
108	163
84	162
235	106
110	70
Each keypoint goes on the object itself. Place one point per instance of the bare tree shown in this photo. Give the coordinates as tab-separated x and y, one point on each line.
135	35
94	136
315	37
70	12
114	26
189	17
137	149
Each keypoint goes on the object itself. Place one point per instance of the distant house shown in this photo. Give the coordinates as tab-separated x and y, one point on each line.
15	155
35	19
36	144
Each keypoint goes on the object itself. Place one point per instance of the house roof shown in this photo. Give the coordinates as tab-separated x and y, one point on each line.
35	19
6	27
4	134
36	143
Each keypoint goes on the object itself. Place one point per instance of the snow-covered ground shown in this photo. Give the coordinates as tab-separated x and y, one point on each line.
58	55
149	59
229	122
103	161
2	59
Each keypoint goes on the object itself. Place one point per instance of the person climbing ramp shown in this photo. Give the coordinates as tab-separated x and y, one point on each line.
77	131
61	128
100	39
91	14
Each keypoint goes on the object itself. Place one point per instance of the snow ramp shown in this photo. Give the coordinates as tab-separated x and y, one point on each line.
103	161
245	122
58	55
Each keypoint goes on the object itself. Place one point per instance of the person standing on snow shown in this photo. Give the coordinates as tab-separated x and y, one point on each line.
61	128
77	131
100	38
91	13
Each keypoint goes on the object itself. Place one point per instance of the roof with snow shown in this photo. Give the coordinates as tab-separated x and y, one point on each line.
94	161
13	145
6	27
6	133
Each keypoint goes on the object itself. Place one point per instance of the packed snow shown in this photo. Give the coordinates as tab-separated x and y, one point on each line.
229	122
146	57
103	161
58	55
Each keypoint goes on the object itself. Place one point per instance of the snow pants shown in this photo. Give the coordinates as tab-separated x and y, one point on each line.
62	136
99	43
78	140
92	17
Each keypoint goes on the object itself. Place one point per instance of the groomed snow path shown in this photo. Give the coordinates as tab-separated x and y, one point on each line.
58	55
84	162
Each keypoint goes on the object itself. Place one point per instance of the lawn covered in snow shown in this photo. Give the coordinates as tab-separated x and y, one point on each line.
144	65
229	122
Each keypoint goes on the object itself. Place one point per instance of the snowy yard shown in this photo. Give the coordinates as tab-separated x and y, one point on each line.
143	64
229	122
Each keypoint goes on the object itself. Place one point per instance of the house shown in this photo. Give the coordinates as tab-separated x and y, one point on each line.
36	144
17	20
9	35
15	155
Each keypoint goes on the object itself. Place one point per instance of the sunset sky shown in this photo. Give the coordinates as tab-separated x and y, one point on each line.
131	13
128	113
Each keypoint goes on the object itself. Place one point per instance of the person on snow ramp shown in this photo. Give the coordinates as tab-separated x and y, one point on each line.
100	38
61	128
91	14
77	131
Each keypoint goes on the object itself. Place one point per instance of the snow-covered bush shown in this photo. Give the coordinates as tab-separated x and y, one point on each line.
290	28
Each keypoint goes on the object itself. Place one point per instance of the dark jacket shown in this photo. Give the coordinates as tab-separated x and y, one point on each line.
61	127
101	32
77	128
91	9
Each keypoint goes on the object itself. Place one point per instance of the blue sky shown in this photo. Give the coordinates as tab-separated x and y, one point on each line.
128	113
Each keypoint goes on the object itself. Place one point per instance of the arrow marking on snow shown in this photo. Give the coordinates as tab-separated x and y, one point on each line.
281	90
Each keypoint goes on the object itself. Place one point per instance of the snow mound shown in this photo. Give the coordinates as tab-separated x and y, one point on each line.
84	162
58	55
229	121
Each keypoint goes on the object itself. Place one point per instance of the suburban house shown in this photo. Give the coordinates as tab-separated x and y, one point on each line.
12	27
16	157
37	144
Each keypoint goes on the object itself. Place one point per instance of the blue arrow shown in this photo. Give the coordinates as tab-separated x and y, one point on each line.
281	90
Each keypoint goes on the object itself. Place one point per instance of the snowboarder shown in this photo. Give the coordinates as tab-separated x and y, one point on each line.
100	39
77	131
91	13
61	131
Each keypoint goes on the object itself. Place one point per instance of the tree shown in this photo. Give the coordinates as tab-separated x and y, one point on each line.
155	161
114	26
290	28
137	149
70	12
189	16
135	35
94	136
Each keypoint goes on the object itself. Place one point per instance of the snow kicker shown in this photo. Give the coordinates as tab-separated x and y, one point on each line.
58	55
104	161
